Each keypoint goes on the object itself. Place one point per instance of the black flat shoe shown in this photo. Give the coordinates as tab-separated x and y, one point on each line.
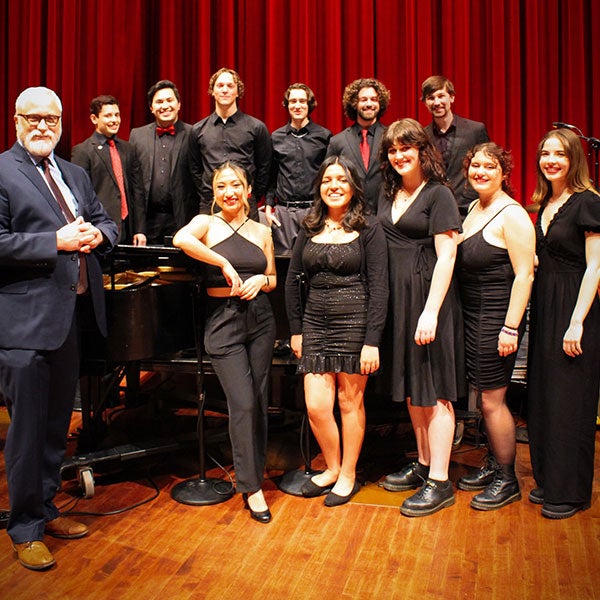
264	516
334	500
311	490
562	511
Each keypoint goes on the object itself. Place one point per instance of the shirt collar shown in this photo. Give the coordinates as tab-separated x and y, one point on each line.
217	120
300	131
437	131
370	128
36	160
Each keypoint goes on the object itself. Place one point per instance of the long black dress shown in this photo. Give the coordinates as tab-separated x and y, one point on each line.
563	391
436	370
485	277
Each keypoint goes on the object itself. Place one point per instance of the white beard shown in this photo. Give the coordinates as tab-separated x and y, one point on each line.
40	147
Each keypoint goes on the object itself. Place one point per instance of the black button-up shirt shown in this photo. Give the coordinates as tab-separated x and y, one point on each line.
444	141
241	139
297	156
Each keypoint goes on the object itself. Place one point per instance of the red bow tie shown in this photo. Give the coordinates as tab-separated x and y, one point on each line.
170	130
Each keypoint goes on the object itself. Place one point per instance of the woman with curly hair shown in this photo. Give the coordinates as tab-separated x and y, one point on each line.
495	273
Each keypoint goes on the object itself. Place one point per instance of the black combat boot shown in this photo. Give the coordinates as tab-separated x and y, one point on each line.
480	479
503	490
410	477
433	496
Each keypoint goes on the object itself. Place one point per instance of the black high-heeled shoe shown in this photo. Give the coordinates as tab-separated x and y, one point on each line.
264	516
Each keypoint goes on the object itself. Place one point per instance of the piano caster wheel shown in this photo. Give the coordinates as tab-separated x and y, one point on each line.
86	481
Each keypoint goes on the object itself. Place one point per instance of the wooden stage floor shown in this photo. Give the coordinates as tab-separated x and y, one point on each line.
363	550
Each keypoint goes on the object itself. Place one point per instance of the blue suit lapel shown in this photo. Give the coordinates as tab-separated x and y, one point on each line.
34	175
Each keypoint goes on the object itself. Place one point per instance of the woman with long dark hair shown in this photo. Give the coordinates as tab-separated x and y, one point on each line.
341	254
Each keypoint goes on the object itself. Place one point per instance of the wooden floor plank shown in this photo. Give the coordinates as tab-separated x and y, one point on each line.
168	550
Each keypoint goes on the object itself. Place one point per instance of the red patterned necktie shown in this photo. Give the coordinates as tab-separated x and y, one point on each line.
364	147
170	130
82	285
117	167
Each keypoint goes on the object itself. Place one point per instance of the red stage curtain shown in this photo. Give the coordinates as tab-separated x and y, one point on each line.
517	65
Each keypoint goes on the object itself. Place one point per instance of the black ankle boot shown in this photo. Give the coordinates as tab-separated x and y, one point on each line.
433	496
481	478
503	490
410	477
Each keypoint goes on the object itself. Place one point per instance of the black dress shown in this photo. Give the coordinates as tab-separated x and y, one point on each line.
346	302
436	370
485	277
563	391
335	316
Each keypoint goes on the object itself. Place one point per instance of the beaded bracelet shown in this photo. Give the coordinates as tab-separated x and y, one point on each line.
509	331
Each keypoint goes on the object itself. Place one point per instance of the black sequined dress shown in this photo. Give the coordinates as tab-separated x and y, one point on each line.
335	315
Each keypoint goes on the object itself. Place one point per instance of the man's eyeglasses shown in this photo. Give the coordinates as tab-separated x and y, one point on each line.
35	120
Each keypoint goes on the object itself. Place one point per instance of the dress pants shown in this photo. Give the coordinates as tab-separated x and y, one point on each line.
239	337
39	389
291	220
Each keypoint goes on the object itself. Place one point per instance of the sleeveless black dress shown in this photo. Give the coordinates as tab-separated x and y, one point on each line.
485	276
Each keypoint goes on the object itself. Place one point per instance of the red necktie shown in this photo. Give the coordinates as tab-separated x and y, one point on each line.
82	284
170	130
117	167
364	148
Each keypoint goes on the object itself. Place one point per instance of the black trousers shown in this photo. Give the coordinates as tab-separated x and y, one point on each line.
39	389
291	220
239	337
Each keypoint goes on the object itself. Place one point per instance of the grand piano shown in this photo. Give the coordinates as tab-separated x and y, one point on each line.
154	303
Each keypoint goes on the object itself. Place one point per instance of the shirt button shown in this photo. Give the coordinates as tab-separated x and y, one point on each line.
73	288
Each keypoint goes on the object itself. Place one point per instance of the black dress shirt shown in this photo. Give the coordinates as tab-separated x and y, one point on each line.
241	139
443	141
297	156
160	188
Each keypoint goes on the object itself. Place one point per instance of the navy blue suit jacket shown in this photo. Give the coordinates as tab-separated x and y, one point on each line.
38	284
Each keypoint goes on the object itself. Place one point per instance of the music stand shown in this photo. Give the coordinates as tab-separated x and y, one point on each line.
201	491
292	481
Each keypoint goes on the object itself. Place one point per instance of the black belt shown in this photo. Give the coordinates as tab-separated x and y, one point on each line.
295	203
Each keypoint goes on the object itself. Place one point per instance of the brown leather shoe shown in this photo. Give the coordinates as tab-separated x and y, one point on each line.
34	555
68	529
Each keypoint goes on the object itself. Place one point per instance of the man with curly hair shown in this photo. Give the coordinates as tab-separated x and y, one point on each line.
365	102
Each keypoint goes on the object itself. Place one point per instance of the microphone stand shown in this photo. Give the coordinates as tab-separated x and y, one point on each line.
595	146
